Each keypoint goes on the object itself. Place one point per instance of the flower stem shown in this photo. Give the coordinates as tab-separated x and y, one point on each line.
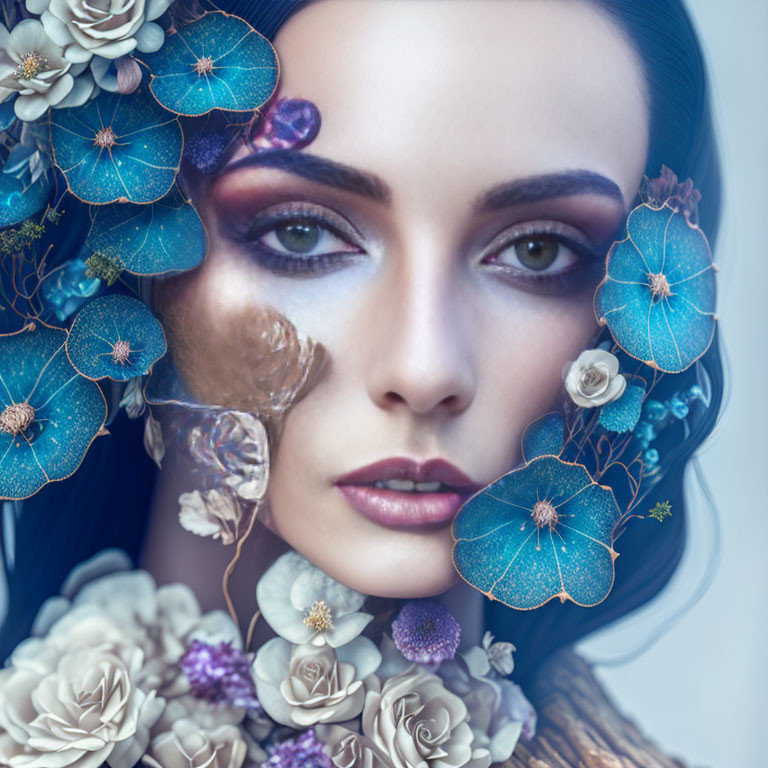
231	567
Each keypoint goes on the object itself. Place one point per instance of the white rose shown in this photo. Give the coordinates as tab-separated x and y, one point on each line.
107	28
80	710
187	745
303	685
349	749
34	66
418	723
594	379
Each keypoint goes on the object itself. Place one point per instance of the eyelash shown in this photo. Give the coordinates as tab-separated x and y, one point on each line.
251	235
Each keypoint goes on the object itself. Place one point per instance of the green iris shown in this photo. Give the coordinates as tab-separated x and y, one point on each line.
298	236
536	252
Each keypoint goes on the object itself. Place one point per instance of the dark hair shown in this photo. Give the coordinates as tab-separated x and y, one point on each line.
106	502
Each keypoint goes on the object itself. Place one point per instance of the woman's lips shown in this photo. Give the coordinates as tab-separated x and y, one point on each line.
407	508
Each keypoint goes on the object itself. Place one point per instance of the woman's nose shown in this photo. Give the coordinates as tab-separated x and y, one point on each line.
421	359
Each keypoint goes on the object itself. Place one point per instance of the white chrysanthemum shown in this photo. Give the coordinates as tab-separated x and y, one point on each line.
594	379
106	28
34	66
303	604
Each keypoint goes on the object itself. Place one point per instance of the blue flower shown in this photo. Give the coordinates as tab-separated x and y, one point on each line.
19	201
623	414
544	437
115	336
658	294
117	148
66	288
49	413
166	236
544	530
216	62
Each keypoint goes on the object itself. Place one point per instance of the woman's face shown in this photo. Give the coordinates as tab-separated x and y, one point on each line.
489	152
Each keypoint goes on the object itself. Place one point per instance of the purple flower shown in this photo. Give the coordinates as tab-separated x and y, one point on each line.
305	751
220	674
426	633
204	149
292	123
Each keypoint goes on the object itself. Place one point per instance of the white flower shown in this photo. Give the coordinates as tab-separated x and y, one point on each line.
210	513
187	745
302	685
497	711
34	66
303	604
128	608
418	723
499	654
594	379
349	749
107	28
81	709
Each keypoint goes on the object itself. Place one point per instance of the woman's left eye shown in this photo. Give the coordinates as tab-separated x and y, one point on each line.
543	256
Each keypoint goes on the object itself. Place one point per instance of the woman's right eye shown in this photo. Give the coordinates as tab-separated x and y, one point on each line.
301	239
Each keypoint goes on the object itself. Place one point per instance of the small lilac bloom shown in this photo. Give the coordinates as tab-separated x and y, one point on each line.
204	150
220	674
305	751
425	632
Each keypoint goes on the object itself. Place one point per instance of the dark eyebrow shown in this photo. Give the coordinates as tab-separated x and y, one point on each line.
318	169
546	187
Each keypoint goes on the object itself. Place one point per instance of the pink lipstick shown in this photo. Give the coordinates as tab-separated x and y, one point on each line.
405	493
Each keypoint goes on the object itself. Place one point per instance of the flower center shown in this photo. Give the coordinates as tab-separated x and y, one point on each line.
593	381
659	285
319	616
16	418
31	65
121	352
544	514
204	65
105	138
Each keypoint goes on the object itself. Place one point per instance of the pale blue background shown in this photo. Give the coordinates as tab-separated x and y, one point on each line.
702	689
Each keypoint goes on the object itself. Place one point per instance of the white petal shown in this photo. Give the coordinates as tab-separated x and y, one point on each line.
28	35
56	29
105	563
80	93
76	54
37	6
4	38
156	8
150	37
347	628
313	584
30	108
272	661
273	595
116	49
363	654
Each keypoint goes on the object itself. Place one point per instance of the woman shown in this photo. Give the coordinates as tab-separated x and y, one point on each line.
436	243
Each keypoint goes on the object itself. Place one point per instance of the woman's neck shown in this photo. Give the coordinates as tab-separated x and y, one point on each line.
172	555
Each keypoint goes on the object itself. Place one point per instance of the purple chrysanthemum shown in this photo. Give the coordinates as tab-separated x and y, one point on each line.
219	674
305	751
204	149
426	633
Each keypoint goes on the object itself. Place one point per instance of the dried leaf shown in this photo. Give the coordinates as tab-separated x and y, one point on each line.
153	440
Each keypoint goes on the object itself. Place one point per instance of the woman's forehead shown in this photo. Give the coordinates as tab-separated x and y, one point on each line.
416	89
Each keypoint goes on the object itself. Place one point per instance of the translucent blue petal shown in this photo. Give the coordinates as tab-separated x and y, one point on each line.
623	414
500	550
107	321
671	330
7	115
165	236
139	167
545	436
69	411
18	202
217	62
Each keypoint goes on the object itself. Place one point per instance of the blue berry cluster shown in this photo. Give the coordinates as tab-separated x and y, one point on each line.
656	415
